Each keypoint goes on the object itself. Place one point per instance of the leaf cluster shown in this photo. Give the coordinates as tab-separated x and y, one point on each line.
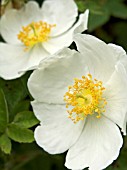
15	115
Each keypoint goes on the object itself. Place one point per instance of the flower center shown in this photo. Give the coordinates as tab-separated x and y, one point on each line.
34	33
85	98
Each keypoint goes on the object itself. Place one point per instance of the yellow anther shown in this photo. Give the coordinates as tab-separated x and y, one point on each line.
96	110
86	98
98	116
105	102
89	75
34	33
69	87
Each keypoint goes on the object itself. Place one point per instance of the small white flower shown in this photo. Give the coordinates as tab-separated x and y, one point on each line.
34	33
96	101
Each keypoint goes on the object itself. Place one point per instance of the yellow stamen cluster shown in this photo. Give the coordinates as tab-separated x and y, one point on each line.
85	98
34	33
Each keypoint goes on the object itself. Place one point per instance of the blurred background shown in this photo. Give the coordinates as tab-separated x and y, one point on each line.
107	21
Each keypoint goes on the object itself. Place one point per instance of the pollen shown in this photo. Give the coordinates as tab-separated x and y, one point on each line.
85	98
34	33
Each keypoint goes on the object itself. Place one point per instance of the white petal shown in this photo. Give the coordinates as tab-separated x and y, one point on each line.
97	147
14	60
50	82
116	96
31	12
11	23
125	125
56	43
57	132
35	55
98	55
119	53
10	26
63	13
82	23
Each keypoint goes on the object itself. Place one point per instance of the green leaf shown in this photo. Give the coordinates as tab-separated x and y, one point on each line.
81	6
26	119
19	134
5	144
96	20
98	16
22	106
15	91
101	11
3	112
117	8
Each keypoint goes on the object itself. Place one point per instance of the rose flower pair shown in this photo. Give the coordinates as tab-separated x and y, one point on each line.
80	97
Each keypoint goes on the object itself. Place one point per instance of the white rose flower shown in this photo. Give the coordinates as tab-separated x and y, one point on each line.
34	33
80	100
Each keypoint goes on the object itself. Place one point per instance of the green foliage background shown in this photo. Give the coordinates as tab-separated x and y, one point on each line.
107	21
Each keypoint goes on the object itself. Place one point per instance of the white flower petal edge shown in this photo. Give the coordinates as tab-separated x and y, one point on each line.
56	43
116	96
118	51
56	134
82	23
125	123
14	60
63	13
10	56
97	55
13	20
96	148
120	54
50	73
